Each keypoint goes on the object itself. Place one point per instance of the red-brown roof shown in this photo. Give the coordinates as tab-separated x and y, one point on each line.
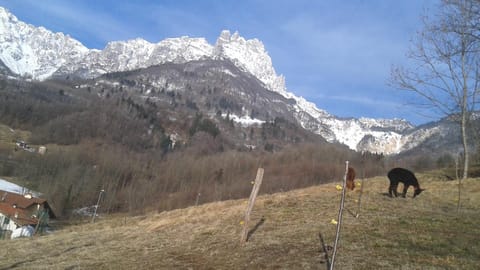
20	200
18	215
23	202
7	209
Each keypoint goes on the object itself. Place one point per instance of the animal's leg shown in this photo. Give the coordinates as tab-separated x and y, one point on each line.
392	189
405	188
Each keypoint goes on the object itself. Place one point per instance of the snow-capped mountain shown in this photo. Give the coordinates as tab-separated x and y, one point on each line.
134	54
38	53
35	51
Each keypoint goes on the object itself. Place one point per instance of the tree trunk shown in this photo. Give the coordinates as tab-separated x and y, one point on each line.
465	146
464	110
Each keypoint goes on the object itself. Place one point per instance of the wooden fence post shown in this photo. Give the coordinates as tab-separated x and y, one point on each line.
340	214
251	202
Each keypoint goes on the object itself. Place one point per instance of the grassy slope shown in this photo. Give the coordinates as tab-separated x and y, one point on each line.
422	233
8	136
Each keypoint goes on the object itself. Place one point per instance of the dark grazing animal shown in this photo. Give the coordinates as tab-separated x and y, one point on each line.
406	177
350	178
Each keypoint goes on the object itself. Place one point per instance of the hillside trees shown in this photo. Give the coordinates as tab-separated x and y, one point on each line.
99	138
71	176
446	60
205	125
28	105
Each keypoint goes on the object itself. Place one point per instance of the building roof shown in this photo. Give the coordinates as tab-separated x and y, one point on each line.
18	215
23	201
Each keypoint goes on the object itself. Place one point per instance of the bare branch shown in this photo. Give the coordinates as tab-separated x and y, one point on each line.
447	56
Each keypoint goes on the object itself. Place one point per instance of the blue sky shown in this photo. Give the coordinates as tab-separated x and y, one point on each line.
337	54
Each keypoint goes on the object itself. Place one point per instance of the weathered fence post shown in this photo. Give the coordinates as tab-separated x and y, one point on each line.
97	205
251	202
340	214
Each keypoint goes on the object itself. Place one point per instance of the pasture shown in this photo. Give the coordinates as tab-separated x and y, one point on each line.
287	230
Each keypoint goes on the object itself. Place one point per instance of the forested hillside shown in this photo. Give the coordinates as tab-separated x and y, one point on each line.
100	138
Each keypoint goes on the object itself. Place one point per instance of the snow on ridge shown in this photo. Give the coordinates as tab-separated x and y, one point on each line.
34	51
251	56
225	71
25	58
37	52
309	107
353	133
396	123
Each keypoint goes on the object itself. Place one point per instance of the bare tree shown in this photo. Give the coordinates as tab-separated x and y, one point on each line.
445	73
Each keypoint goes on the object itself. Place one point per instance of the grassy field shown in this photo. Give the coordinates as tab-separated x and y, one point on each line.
287	230
7	138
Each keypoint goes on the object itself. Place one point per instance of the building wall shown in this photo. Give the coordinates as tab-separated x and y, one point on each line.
34	209
6	223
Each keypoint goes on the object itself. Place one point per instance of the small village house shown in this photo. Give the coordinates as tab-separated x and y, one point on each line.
18	210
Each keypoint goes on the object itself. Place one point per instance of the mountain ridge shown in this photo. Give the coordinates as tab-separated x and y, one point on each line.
38	53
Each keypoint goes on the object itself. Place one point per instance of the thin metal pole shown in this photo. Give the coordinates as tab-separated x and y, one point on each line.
340	214
96	206
198	198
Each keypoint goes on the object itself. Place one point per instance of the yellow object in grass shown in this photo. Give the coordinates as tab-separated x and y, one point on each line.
242	222
338	187
334	222
358	184
253	182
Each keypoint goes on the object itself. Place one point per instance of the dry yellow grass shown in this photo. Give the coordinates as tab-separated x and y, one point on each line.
422	233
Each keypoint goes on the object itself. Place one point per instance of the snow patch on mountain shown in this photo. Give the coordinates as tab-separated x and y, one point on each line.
137	53
244	120
366	134
34	51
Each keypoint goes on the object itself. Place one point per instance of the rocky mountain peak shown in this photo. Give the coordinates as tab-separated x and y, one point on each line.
36	52
251	56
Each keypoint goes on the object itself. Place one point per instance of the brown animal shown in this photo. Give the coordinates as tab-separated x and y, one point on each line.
350	178
401	175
